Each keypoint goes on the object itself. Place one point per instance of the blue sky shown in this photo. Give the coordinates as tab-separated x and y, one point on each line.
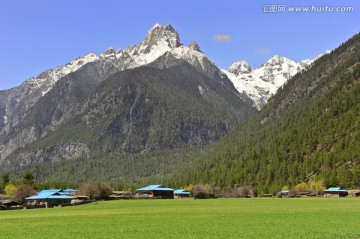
36	35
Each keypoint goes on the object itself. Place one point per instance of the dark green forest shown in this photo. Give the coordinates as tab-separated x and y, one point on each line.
310	131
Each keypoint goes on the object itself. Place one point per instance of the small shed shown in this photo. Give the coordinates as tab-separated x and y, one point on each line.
181	193
51	198
156	191
8	204
335	192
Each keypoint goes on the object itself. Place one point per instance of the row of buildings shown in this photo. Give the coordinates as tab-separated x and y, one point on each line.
330	192
54	197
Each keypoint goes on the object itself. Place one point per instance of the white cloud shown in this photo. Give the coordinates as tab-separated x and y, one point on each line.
222	37
262	51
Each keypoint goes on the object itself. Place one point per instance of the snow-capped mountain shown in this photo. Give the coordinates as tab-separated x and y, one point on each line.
15	102
261	83
74	82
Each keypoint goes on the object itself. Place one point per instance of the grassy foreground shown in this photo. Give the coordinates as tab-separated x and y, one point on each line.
216	218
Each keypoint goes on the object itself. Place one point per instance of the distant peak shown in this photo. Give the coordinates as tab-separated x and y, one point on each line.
277	57
240	67
278	60
195	46
108	51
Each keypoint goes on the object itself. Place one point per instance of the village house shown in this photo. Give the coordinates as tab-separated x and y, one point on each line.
52	197
181	193
155	191
335	192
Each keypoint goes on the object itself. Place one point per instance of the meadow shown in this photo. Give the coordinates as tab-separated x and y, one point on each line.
189	218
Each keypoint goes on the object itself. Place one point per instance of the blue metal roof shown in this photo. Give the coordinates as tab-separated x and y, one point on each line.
334	189
60	197
52	193
155	187
182	191
70	190
284	191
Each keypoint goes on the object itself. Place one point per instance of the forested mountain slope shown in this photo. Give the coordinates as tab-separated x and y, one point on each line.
310	130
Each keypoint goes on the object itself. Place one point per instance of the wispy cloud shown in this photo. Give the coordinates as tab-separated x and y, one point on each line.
262	51
222	37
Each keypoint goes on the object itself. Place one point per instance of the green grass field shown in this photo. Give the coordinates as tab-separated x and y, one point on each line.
188	218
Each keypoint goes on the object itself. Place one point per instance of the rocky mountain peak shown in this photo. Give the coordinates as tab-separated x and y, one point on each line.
160	36
240	67
195	46
132	50
170	28
278	60
109	51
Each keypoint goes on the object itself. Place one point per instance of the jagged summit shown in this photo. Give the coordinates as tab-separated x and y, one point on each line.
108	51
170	28
195	46
279	60
159	36
240	67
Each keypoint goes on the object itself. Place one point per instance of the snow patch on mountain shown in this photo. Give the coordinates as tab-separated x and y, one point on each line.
49	77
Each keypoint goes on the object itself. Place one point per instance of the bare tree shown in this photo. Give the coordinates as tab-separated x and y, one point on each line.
199	191
294	192
96	191
244	191
21	192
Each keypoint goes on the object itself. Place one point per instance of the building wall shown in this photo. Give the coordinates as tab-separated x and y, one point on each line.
163	194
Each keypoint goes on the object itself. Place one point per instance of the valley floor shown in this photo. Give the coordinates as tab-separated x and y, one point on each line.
188	218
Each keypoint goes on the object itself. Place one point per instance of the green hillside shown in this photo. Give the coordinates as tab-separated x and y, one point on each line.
309	131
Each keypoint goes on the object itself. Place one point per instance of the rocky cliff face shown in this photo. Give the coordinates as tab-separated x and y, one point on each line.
52	154
15	102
